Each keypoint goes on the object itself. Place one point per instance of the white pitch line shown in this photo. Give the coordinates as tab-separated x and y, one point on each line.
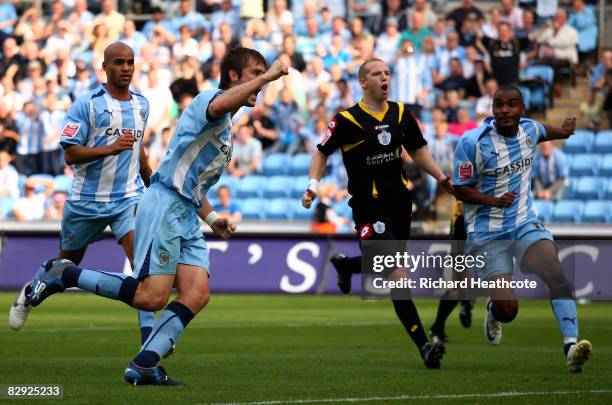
407	397
94	328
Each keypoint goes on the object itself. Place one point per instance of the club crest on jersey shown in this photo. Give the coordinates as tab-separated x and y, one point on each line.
384	138
529	142
365	232
379	227
465	170
143	114
70	129
164	258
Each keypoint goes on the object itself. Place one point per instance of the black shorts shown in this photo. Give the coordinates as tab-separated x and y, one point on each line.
382	220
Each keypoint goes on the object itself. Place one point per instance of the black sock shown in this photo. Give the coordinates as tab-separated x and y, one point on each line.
354	264
146	359
567	346
445	307
70	276
144	334
408	315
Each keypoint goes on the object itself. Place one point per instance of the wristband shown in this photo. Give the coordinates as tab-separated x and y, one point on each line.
211	218
313	185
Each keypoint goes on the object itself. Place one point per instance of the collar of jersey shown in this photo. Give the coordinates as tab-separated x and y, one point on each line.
379	116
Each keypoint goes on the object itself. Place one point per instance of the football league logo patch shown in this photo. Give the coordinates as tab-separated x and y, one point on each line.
326	136
465	170
384	138
164	258
70	129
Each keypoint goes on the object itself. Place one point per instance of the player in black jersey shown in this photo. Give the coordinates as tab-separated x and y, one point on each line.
371	135
452	297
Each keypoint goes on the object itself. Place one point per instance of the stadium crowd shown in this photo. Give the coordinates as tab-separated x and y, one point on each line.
446	63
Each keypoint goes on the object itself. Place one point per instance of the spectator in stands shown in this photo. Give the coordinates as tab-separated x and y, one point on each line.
599	85
157	24
469	31
338	54
417	31
326	219
459	15
489	29
31	25
225	14
279	15
528	30
464	123
10	57
338	27
265	129
550	172
52	118
286	109
411	79
450	103
30	52
583	20
186	45
393	8
31	206
159	146
422	6
195	21
82	83
9	178
455	80
309	11
361	39
558	46
307	44
111	18
29	148
340	98
511	14
484	105
452	50
316	75
247	153
225	34
297	59
81	18
505	54
55	206
133	38
8	19
226	207
388	42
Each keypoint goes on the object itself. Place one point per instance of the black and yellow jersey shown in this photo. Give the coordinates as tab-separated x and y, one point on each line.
371	148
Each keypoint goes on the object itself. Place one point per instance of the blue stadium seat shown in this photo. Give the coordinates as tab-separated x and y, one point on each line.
298	186
582	141
590	188
603	142
21	184
568	211
41	188
586	164
570	190
63	183
527	98
544	209
275	164
299	213
278	208
544	72
539	93
343	209
608	192
299	164
226	180
606	166
252	208
6	207
250	187
597	211
277	186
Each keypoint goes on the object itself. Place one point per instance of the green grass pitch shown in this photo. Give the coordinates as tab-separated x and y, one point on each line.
271	350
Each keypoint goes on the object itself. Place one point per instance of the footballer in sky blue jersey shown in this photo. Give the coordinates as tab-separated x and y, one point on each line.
492	177
169	249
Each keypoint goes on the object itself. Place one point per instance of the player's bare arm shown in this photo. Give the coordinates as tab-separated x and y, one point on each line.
470	195
565	131
316	170
145	169
74	154
423	158
222	227
238	95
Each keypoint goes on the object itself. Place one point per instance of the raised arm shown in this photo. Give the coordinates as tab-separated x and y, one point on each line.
237	96
315	172
563	132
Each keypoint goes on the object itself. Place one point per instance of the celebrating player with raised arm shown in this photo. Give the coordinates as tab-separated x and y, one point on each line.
169	248
492	176
102	138
371	135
